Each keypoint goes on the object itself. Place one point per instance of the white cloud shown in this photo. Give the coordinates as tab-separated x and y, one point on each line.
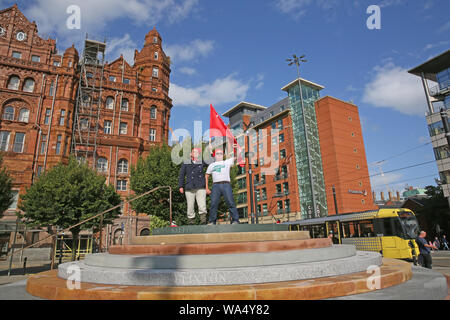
388	181
393	87
189	52
297	8
51	15
124	45
187	70
220	91
444	28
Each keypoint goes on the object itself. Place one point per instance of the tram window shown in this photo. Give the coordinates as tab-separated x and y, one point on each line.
366	228
351	229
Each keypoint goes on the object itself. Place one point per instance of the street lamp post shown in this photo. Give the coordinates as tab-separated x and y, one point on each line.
247	155
296	60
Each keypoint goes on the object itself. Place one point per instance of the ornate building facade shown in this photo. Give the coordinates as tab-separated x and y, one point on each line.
40	118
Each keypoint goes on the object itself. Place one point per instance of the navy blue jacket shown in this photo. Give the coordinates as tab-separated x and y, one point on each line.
192	176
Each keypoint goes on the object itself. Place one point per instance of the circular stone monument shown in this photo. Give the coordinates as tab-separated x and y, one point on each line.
224	262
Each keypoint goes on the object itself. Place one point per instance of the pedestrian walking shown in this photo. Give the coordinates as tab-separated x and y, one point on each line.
436	244
191	182
444	243
220	172
424	249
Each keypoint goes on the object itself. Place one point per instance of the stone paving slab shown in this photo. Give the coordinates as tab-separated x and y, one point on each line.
210	261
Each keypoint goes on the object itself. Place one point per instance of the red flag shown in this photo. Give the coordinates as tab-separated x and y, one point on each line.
218	128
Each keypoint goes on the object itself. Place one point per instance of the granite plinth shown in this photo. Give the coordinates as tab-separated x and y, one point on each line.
221	276
228	237
222	228
210	261
393	272
219	248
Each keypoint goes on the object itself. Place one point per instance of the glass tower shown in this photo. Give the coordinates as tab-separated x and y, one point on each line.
307	149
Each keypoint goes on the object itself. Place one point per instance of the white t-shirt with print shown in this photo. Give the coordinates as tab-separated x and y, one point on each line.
220	170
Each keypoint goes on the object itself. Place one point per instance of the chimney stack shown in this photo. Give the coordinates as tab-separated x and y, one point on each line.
398	196
382	196
390	195
374	195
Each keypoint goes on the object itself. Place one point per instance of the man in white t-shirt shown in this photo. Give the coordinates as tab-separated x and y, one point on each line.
220	172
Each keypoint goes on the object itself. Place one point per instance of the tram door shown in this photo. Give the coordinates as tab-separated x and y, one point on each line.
333	231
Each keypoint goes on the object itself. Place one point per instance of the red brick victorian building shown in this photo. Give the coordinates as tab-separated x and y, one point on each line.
39	122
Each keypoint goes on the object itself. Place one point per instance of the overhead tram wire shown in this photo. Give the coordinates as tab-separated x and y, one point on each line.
399	154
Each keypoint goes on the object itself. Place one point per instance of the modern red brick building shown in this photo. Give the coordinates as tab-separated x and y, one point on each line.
339	149
39	98
343	156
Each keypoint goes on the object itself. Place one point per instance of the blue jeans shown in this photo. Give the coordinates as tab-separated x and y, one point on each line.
218	190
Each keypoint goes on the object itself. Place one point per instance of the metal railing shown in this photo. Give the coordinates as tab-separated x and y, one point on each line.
440	88
101	214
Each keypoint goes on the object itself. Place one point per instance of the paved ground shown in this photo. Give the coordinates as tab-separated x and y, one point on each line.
13	287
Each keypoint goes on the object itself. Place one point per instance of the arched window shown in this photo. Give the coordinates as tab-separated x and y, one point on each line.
153	112
110	103
102	165
8	113
122	166
28	86
24	115
145	232
124	106
14	83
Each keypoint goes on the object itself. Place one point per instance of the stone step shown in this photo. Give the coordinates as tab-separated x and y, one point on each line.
220	276
223	228
219	248
211	261
221	237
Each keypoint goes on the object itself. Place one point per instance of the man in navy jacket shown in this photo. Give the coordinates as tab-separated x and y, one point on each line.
191	182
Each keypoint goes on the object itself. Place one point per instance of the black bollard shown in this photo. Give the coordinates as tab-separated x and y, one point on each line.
25	266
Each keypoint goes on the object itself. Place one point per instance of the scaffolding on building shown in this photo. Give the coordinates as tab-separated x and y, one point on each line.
88	102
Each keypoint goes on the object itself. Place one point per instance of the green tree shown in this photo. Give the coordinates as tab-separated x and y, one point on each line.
67	195
435	212
6	194
157	170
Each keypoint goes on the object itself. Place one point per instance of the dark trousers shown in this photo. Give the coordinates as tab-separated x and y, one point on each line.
425	260
222	189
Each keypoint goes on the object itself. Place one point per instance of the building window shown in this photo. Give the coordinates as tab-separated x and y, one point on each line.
58	144
68	120
280	124
62	117
28	86
357	166
17	54
112	78
274	125
261	161
124	106
84	124
107	124
122	166
126	81
152	135
121	185
47	116
66	144
4	140
51	91
275	156
13	83
24	115
155	72
154	90
35	58
353	134
19	141
286	188
123	128
102	165
155	55
39	171
363	201
56	63
8	113
279	190
109	103
349	118
15	199
43	143
155	40
153	112
287	205
283	154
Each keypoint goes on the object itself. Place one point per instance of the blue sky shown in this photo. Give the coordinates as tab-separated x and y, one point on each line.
224	52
